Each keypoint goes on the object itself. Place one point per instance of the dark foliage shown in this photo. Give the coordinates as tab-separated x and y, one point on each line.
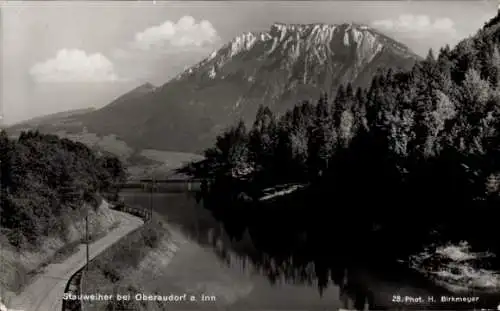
44	178
414	156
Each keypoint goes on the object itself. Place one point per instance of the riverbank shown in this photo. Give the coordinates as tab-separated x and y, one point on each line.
130	264
189	263
447	268
179	264
45	291
178	267
458	268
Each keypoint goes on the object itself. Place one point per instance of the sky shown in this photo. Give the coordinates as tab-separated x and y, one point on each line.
57	56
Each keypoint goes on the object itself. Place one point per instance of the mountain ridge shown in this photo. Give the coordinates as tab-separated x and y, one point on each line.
324	31
279	67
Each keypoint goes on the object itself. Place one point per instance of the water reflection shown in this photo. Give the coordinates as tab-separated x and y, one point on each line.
280	252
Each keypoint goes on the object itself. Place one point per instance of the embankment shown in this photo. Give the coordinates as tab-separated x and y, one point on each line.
75	283
19	266
129	264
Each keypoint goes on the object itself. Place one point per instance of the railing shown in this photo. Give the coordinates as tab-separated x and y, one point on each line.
74	288
169	181
75	283
141	212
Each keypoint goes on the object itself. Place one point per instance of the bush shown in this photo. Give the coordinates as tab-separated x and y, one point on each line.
44	177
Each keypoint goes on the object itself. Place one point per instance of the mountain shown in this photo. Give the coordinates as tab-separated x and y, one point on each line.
51	121
294	62
133	95
429	136
277	68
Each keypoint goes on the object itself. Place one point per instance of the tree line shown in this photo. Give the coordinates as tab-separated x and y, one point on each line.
416	153
44	179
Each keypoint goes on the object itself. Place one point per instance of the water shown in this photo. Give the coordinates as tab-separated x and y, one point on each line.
239	275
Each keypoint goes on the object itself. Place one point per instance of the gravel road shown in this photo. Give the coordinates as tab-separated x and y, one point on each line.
46	291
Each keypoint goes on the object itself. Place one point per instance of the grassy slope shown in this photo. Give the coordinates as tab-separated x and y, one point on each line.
162	163
123	267
170	158
142	163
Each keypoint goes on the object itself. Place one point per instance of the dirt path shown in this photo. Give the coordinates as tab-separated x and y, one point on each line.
45	293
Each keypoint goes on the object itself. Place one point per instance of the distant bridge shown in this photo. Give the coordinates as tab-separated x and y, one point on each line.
163	185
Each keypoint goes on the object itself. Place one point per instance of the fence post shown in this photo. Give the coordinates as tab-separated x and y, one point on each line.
151	197
87	239
82	287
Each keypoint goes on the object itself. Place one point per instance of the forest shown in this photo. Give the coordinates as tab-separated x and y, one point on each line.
410	161
45	178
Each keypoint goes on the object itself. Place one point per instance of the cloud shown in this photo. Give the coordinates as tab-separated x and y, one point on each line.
120	54
184	34
418	25
73	65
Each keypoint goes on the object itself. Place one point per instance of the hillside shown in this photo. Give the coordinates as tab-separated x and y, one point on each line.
52	174
54	118
278	68
48	185
133	95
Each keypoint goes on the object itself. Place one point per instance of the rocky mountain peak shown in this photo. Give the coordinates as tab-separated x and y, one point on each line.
288	43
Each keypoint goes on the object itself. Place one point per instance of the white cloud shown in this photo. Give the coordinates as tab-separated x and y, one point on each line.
120	53
186	33
73	65
418	25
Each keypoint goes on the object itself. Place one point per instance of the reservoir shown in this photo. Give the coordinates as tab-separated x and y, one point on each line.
229	271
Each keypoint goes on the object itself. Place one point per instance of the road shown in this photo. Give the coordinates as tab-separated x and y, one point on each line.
46	291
